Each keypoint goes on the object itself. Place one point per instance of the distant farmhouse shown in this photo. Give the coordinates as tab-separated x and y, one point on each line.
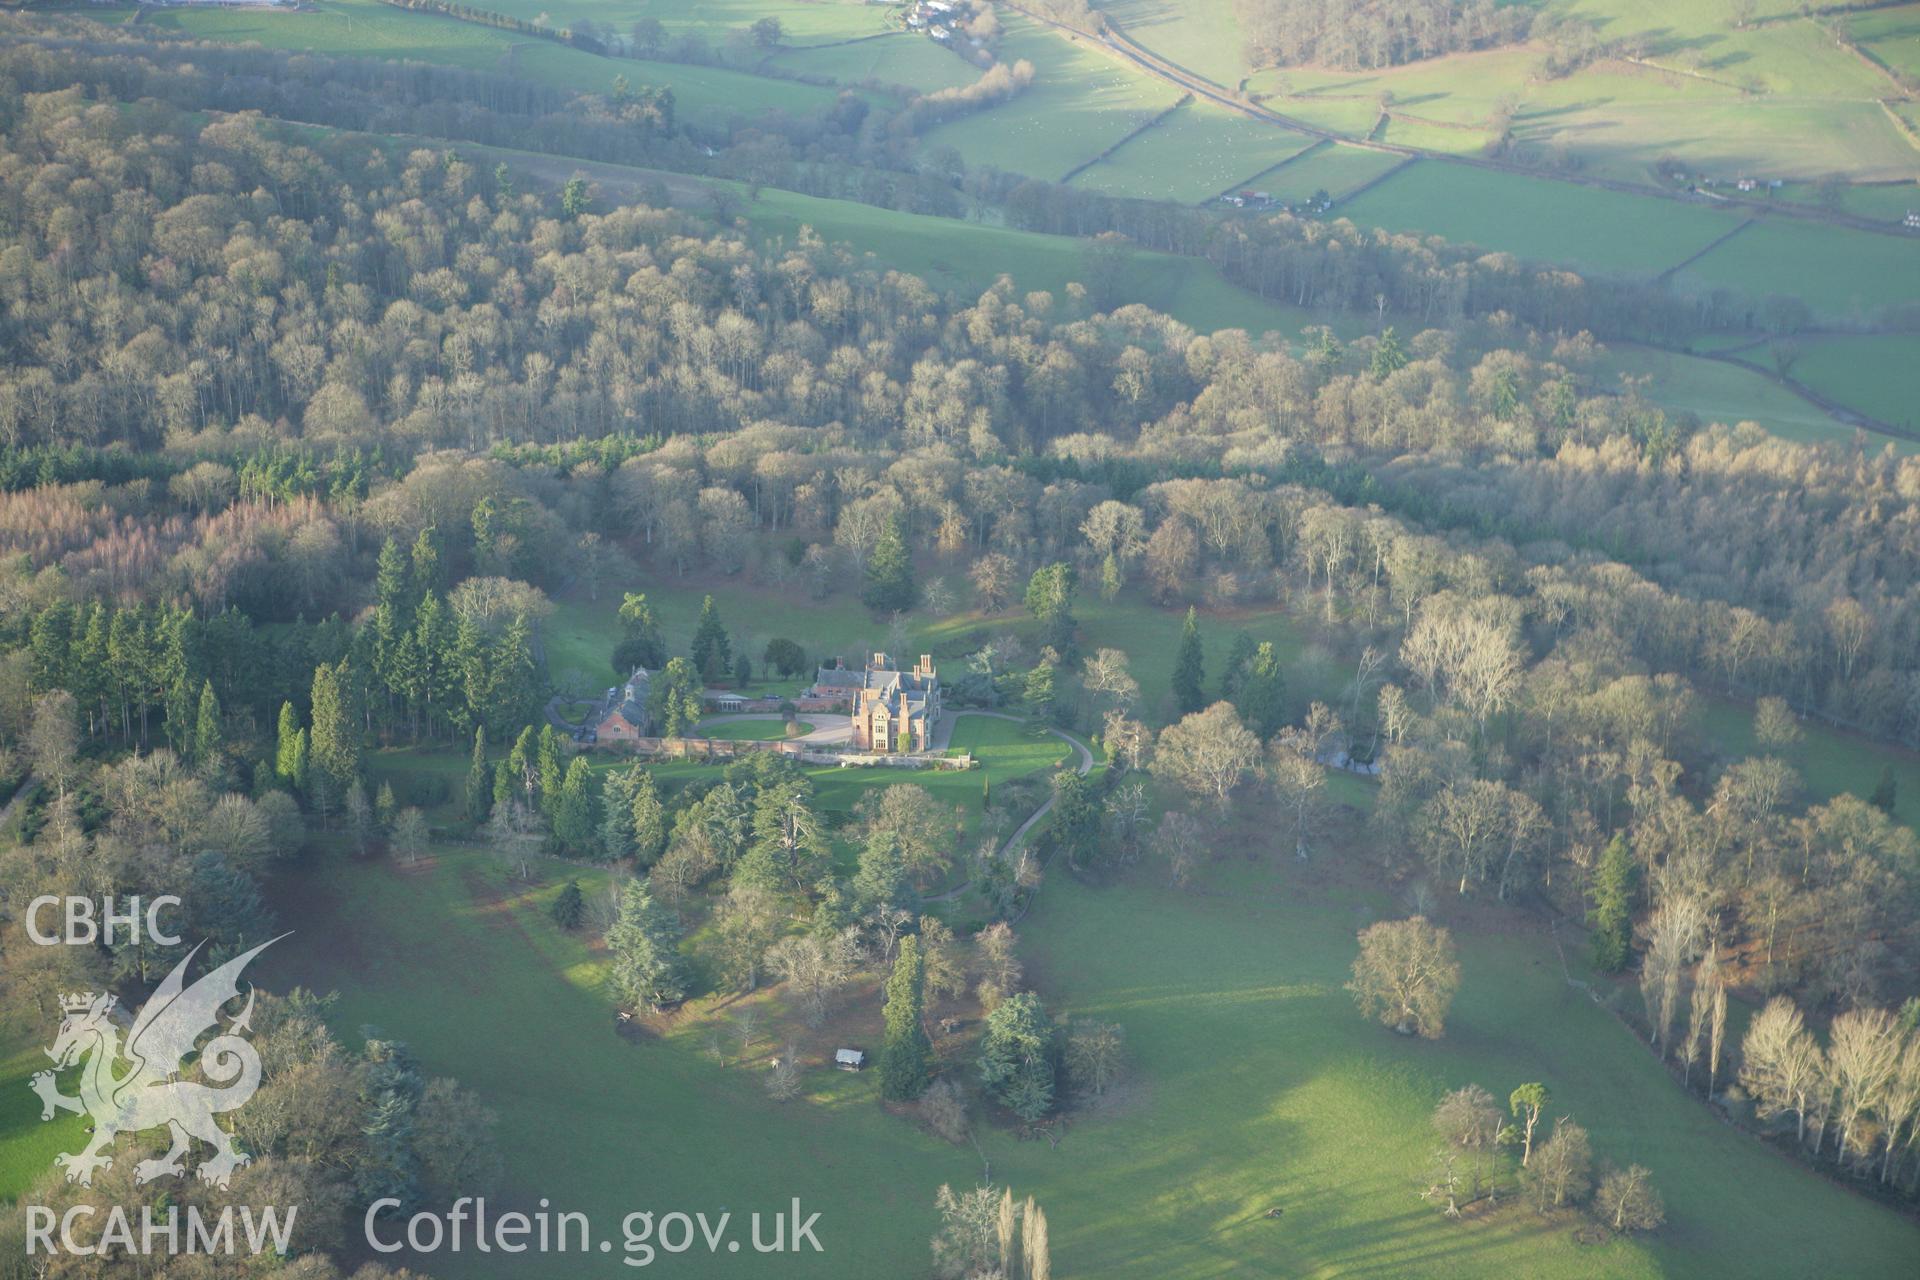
627	720
892	710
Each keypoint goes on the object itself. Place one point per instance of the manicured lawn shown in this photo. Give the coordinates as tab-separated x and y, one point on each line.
752	730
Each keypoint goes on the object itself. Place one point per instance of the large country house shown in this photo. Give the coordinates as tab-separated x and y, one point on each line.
892	710
627	719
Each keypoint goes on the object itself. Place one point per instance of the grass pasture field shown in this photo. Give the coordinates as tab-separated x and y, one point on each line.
1839	273
1890	35
1192	155
1199	36
1080	103
1254	1085
1874	373
1332	167
802	22
367	28
1539	219
969	256
1830	760
1713	391
904	58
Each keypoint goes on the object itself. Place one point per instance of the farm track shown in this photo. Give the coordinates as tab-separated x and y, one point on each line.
1833	408
1116	43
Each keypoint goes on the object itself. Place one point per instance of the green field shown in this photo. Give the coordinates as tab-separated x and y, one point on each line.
969	256
1333	168
27	1144
1080	103
1891	35
1839	273
1712	391
1779	99
367	28
802	22
1538	219
1257	1086
1195	153
1830	760
1874	373
906	58
1199	36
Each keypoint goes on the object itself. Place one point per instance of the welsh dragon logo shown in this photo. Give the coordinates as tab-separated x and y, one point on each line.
158	1049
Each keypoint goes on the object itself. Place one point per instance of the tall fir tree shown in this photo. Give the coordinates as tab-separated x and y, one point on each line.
1886	792
290	750
335	740
552	771
712	651
905	1052
208	741
644	942
640	644
890	584
1189	668
1262	692
1611	915
479	779
573	812
616	812
650	826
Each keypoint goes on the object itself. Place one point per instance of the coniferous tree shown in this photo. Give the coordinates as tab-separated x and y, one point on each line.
551	771
479	795
650	827
1886	792
1189	668
1262	692
712	651
1611	916
644	943
290	751
334	745
890	584
574	826
207	738
905	1052
392	1089
641	644
1016	1056
617	794
570	907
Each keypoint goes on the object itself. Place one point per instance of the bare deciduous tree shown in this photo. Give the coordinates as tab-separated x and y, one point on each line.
1209	752
1406	975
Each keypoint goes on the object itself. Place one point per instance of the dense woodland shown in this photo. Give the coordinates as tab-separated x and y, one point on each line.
299	436
1368	34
